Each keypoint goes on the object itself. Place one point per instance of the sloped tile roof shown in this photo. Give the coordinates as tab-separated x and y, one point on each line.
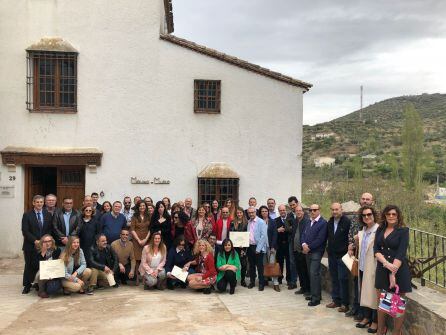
235	61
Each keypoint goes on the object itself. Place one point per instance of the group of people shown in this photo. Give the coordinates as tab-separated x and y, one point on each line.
138	240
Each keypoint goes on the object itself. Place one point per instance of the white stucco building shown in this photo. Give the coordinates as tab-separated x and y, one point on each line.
101	96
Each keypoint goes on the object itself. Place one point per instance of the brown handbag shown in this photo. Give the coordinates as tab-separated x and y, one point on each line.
271	270
355	266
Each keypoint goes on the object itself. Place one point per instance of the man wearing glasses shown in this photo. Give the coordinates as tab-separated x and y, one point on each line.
126	257
35	224
258	245
313	239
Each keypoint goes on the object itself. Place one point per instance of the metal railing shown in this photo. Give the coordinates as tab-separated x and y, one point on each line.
427	257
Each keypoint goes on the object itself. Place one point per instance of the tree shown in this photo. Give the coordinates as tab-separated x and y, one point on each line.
412	153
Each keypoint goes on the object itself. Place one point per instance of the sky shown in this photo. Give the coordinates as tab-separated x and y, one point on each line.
391	48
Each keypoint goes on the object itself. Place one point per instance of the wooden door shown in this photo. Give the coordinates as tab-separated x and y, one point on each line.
71	183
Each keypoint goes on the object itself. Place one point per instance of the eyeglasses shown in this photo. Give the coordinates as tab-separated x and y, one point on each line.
313	209
225	212
367	215
88	210
391	214
127	203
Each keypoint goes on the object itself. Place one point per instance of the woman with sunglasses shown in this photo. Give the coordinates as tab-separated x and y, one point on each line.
180	220
367	268
89	229
390	248
179	255
47	250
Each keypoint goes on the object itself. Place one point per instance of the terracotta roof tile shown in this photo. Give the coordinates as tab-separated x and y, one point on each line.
234	61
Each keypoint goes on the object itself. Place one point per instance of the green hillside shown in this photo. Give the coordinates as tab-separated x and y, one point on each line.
369	142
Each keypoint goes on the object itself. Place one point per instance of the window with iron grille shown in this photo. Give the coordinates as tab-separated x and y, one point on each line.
207	95
51	81
220	189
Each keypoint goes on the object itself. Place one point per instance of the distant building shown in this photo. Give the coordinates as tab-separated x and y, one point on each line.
322	135
324	161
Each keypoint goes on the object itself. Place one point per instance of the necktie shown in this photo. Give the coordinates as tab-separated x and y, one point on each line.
39	218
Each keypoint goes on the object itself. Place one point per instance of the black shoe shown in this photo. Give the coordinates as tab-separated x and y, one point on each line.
146	287
363	325
243	283
358	317
261	287
232	290
292	286
35	286
207	291
90	290
351	313
300	291
26	289
251	285
372	331
314	303
116	285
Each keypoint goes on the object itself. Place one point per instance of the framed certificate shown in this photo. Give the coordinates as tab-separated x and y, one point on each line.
178	273
111	279
51	269
239	239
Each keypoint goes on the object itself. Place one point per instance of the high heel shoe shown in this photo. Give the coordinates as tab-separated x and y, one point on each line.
363	325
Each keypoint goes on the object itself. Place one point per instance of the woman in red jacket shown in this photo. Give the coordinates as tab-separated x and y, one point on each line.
206	273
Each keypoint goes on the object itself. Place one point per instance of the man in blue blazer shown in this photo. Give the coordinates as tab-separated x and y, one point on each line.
258	245
314	239
35	224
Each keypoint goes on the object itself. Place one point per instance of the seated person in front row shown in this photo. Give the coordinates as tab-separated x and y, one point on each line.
126	257
204	266
103	261
153	259
178	255
76	271
47	251
228	266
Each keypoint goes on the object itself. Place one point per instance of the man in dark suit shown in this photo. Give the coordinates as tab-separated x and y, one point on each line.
35	224
283	252
66	222
338	228
313	239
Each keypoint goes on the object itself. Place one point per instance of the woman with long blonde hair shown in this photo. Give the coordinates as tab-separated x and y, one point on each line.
204	263
153	259
47	250
76	271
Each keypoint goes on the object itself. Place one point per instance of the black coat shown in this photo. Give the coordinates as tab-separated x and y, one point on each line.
292	225
111	258
31	230
87	236
272	234
338	242
59	225
282	238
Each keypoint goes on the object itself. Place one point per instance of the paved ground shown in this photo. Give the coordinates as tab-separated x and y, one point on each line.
131	310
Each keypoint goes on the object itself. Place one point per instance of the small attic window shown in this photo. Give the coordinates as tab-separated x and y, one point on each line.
51	77
207	95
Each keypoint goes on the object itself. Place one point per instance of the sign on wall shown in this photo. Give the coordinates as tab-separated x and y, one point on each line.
7	191
155	180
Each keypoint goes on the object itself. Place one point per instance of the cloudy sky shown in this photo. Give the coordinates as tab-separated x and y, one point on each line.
392	48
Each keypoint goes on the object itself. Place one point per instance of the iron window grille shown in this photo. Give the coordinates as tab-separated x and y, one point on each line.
51	81
219	189
207	96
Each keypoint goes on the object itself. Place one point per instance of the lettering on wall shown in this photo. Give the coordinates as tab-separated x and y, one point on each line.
7	191
155	180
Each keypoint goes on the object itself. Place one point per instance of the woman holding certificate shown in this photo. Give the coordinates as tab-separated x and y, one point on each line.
240	224
76	271
47	251
153	259
228	265
205	275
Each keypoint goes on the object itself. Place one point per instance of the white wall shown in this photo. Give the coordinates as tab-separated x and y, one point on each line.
135	103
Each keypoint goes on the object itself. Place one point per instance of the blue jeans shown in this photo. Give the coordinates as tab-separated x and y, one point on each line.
314	271
339	280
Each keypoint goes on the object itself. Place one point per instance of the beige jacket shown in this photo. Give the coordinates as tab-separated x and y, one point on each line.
367	285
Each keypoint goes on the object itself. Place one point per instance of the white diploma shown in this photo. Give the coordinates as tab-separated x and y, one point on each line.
348	261
51	269
178	273
240	239
111	279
